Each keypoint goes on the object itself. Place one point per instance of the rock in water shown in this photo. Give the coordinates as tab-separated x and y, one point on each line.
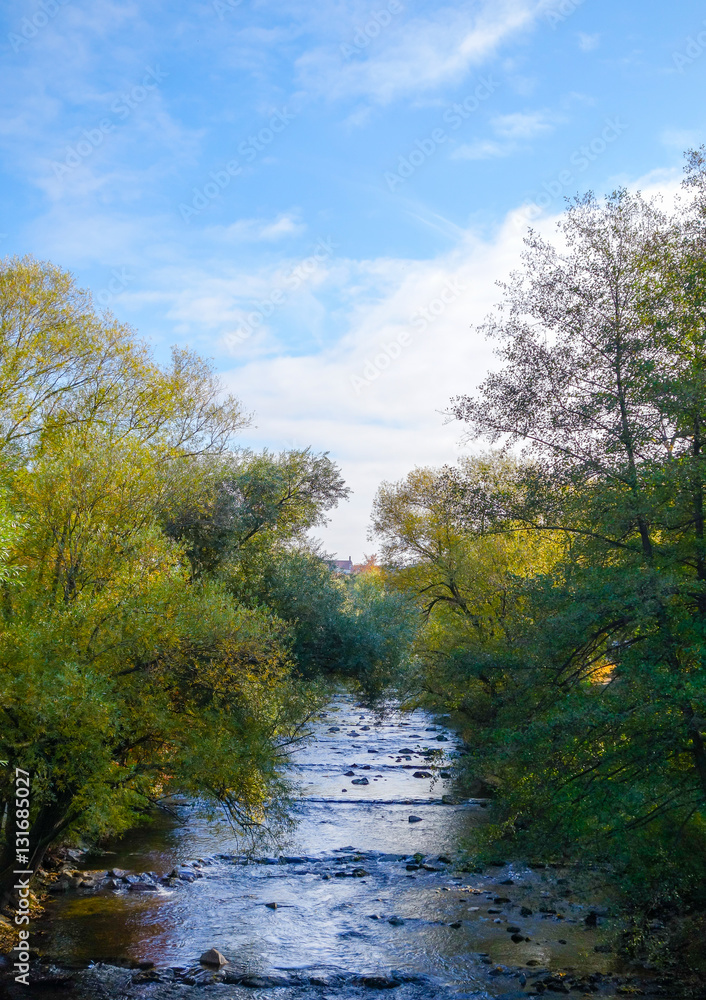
414	819
213	957
360	781
271	906
421	774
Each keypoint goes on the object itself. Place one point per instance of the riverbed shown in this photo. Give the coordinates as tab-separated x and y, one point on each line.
365	886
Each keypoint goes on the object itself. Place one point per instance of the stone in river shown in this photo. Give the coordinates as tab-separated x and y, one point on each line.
213	957
414	819
365	727
349	774
421	774
360	781
380	982
512	929
335	729
271	906
456	924
442	739
116	873
142	887
396	921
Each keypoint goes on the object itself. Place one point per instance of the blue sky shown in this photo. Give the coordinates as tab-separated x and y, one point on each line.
321	197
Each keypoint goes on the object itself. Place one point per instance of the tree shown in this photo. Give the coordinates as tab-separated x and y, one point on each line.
121	677
602	383
255	502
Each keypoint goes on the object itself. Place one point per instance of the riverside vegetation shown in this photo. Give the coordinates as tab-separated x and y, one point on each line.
562	576
167	626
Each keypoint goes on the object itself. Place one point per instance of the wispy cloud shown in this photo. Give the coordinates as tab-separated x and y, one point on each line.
419	54
587	43
512	130
482	149
523	125
257	230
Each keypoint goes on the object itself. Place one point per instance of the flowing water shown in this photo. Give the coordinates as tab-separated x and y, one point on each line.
349	868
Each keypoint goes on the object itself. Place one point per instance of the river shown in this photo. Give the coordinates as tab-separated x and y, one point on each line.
360	890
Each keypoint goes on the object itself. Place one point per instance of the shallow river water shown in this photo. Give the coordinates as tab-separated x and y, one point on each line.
351	897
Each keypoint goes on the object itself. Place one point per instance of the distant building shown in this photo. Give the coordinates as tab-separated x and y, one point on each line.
344	566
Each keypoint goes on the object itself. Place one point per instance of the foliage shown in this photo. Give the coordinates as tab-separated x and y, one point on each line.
565	586
250	503
122	677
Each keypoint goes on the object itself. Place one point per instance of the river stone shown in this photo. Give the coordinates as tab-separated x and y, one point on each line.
142	887
213	957
262	982
379	982
116	873
421	774
360	781
414	819
396	921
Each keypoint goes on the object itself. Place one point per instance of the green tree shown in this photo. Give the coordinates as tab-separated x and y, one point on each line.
601	342
121	677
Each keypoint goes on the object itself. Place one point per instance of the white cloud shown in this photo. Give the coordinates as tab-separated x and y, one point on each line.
258	230
512	130
523	125
419	54
587	43
482	149
681	138
374	398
